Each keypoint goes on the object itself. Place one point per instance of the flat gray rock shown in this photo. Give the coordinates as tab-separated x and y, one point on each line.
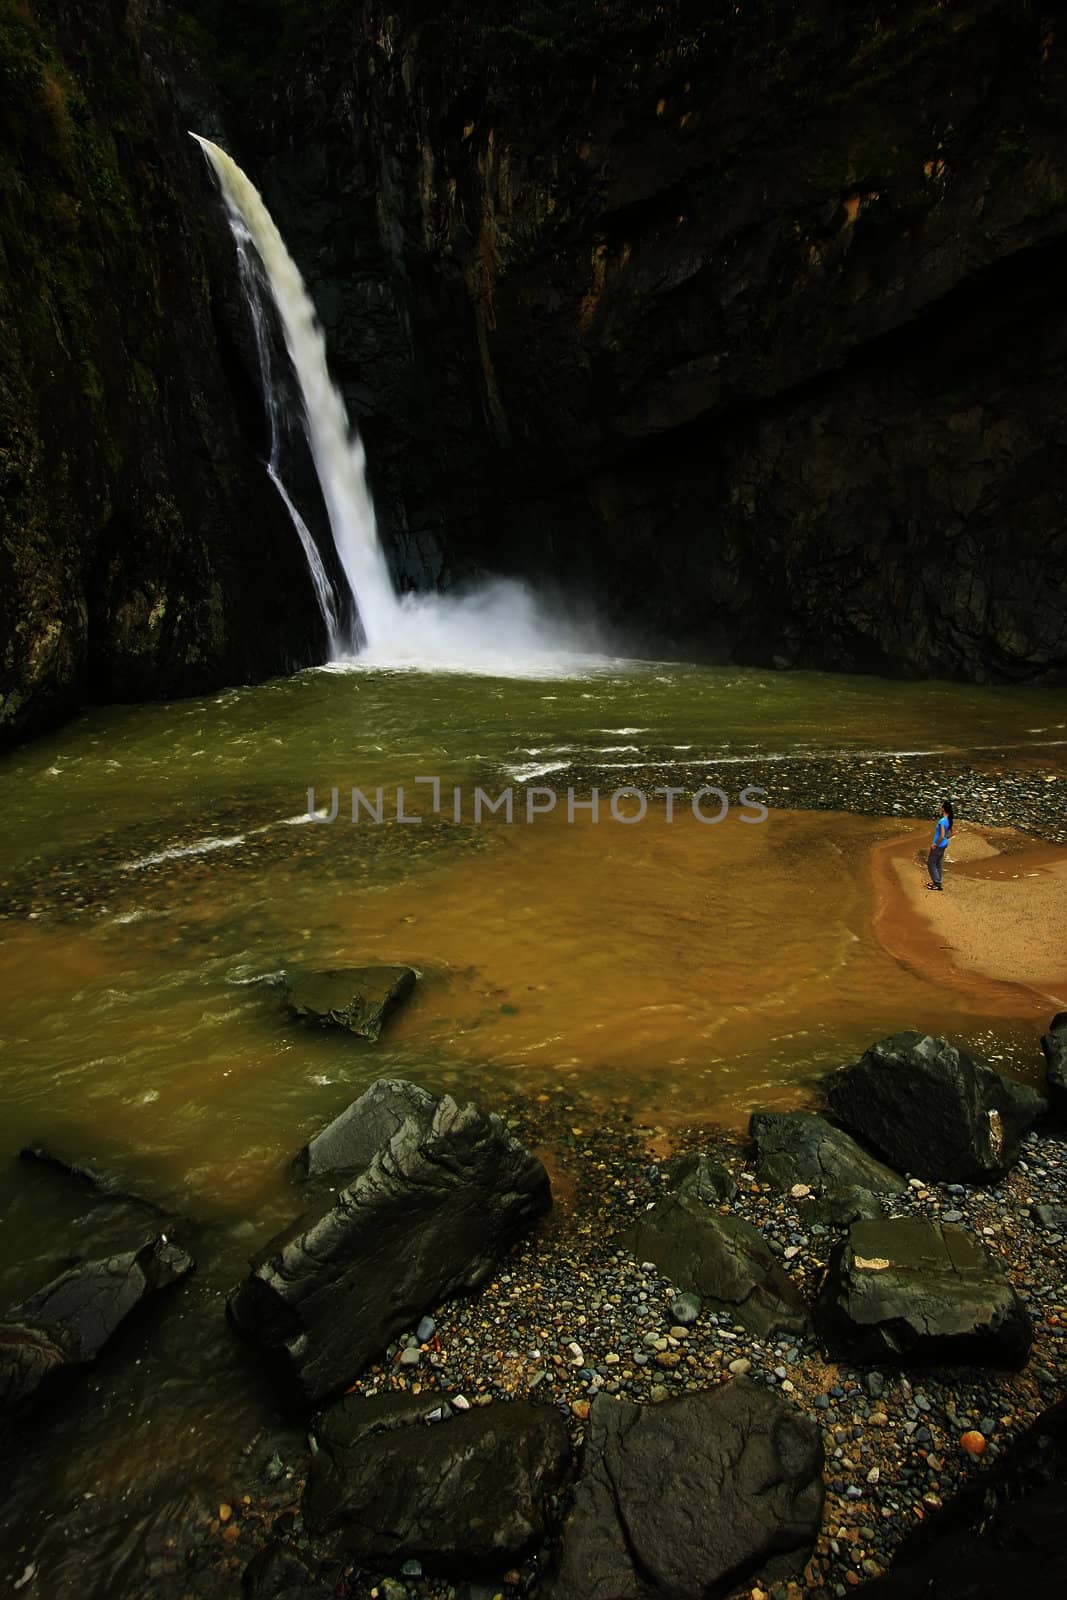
691	1498
469	1493
723	1259
352	1140
932	1110
909	1290
427	1219
356	999
800	1147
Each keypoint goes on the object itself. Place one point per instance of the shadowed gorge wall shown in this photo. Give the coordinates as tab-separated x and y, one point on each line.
747	320
142	549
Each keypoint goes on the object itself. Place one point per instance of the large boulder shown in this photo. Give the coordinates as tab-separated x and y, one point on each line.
800	1147
908	1290
721	1258
352	1140
1054	1044
470	1493
932	1110
65	1325
427	1219
691	1498
358	999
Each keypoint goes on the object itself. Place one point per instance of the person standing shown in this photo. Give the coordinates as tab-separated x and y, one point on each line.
942	834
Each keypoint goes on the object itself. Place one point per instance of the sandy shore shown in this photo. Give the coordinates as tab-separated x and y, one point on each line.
1003	912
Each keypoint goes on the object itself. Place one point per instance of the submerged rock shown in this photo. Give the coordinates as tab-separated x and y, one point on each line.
800	1147
932	1110
906	1289
1054	1044
426	1219
723	1259
66	1324
106	1185
691	1497
358	999
470	1492
352	1140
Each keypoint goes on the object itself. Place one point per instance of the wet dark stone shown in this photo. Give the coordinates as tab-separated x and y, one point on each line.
1001	1535
357	999
427	1219
703	1178
106	1185
1054	1044
691	1497
842	1206
65	1325
277	1573
723	1259
1051	1217
934	1111
909	1290
470	1493
800	1147
352	1140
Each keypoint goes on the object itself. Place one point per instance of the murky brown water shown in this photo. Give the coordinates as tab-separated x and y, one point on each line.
158	883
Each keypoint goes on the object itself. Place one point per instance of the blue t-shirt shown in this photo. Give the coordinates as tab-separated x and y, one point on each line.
941	833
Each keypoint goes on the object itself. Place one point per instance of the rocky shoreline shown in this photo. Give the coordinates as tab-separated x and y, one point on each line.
570	1319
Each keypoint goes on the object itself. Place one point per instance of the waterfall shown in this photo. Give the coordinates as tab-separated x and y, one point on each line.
498	627
250	282
336	449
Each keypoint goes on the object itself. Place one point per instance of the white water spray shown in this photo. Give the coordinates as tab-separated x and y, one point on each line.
497	628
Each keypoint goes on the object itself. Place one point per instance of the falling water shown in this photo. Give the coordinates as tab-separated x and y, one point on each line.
250	281
498	627
336	449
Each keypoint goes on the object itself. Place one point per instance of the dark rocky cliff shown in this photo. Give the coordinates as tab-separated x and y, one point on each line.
746	320
143	551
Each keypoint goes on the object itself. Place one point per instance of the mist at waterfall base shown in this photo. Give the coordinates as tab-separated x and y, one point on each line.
497	627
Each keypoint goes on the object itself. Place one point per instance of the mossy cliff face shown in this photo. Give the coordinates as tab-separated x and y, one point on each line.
142	548
748	321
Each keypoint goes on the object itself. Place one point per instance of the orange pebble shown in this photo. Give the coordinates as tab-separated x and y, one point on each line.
973	1442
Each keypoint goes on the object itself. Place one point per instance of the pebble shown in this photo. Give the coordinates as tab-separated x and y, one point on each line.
686	1309
973	1442
740	1366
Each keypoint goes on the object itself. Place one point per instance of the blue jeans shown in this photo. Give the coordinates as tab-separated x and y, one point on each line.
934	863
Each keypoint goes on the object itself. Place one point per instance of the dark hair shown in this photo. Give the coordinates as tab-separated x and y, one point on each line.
946	806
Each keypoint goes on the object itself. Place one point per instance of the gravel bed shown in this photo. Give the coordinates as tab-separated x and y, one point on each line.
991	793
570	1315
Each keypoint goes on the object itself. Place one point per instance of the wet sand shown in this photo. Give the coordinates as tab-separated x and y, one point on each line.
1003	912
